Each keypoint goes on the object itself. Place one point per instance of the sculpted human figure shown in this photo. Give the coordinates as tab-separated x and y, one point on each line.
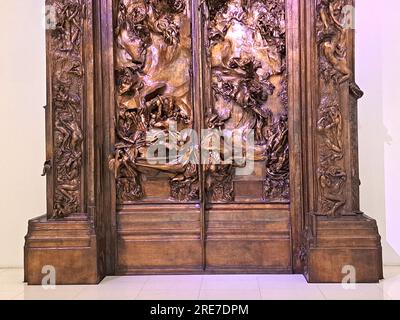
335	37
60	126
76	132
331	181
331	127
69	24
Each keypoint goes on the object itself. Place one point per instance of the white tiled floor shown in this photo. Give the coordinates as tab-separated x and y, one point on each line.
207	287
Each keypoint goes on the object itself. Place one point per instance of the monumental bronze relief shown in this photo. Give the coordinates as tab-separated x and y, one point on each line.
246	56
65	49
154	103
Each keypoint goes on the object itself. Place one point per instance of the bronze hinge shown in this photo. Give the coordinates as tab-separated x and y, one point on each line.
46	168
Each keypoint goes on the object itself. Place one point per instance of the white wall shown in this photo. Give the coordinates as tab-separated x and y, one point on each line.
22	95
378	70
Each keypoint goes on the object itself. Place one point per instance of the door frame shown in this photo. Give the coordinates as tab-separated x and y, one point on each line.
107	136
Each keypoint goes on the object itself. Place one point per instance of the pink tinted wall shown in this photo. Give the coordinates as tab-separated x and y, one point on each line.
377	71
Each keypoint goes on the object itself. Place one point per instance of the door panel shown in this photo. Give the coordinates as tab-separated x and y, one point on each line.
246	89
159	222
225	73
153	59
159	238
246	84
246	238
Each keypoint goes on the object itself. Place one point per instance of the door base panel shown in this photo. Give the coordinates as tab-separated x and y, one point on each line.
248	237
163	236
237	238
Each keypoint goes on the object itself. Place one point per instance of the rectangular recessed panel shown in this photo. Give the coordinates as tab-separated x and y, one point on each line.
225	254
156	189
246	238
163	253
159	237
248	190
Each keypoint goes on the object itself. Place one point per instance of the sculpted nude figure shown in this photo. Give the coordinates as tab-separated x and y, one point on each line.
334	43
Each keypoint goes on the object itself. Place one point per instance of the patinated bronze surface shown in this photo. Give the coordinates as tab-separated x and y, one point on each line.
153	86
67	87
334	70
248	87
126	76
246	57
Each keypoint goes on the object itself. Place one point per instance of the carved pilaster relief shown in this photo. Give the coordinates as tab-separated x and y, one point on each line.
153	98
335	78
333	71
67	85
246	56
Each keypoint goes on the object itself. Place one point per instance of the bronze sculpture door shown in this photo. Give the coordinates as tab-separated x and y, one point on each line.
188	136
201	161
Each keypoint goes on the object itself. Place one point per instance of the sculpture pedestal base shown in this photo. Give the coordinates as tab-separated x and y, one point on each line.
347	248
69	246
334	249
